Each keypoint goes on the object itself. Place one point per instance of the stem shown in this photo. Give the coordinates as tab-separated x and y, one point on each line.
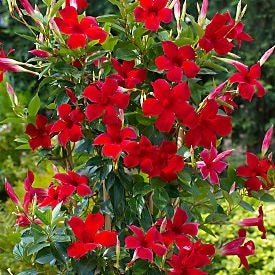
150	202
70	163
108	221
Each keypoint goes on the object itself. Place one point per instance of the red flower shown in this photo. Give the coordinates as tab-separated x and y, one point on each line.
78	4
212	164
190	258
22	220
68	126
267	140
207	124
235	248
79	31
220	31
39	133
10	191
115	139
140	154
175	230
105	99
126	75
40	53
176	61
247	80
254	169
166	163
54	196
88	235
259	222
169	104
30	191
145	245
73	182
152	13
228	98
27	6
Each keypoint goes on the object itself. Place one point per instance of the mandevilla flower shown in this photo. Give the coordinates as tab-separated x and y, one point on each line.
235	248
78	4
152	13
267	141
212	163
39	133
247	80
255	170
115	139
68	126
176	61
169	104
145	244
11	193
207	125
175	230
259	222
73	182
89	235
191	257
55	195
127	76
105	98
79	31
40	53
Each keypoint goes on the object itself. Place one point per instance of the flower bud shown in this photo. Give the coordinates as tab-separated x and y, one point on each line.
10	191
40	53
267	141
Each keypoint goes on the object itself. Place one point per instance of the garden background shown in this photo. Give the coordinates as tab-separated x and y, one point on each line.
251	122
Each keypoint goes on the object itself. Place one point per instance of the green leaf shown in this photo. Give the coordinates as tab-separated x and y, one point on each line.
36	247
271	175
142	189
56	212
216	218
45	216
125	54
199	30
246	206
267	198
34	106
110	43
23	147
28	272
160	198
56	7
12	120
108	18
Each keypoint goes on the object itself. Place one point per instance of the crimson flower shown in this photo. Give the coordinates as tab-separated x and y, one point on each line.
207	125
166	163
267	140
168	104
68	126
39	133
79	31
40	53
220	31
175	230
140	154
259	222
55	196
73	182
190	258
152	13
6	64
22	220
177	61
11	193
228	98
78	4
235	248
115	139
126	75
145	245
89	235
254	169
247	80
105	98
30	191
212	163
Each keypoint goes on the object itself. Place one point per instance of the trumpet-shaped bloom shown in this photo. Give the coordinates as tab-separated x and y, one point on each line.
79	31
255	170
152	13
190	258
127	76
68	127
247	80
238	248
259	222
105	98
169	104
207	125
176	61
175	230
115	140
145	244
212	163
89	235
39	133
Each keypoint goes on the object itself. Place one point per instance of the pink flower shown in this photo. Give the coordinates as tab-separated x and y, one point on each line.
145	245
259	222
267	140
40	53
212	164
266	55
10	191
235	248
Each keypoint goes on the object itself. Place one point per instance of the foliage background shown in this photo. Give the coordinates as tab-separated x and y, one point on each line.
251	122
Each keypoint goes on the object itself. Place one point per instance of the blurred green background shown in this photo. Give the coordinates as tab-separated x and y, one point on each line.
250	123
